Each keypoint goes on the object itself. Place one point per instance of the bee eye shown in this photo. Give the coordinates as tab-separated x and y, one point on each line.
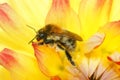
41	35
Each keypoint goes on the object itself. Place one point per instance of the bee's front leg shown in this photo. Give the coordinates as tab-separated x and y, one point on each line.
49	41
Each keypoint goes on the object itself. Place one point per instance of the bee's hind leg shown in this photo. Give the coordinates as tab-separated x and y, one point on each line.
60	46
69	57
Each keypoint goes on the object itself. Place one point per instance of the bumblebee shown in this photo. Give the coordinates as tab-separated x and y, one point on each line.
65	40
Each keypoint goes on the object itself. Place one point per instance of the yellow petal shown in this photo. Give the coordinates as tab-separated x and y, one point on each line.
75	4
13	32
115	10
63	15
3	1
20	66
4	74
111	41
93	14
33	12
48	59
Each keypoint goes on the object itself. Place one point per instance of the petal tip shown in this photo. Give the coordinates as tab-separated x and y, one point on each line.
6	57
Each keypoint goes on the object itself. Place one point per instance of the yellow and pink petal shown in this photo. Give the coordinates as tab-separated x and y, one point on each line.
32	12
115	10
106	70
97	67
20	65
64	16
13	31
75	5
114	57
53	63
93	14
4	74
93	42
7	18
48	59
111	41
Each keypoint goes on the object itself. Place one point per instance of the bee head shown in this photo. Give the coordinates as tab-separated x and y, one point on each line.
41	34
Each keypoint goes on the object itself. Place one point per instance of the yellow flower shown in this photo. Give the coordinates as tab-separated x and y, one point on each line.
96	57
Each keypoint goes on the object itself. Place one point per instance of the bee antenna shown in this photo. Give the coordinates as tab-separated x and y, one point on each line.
32	28
31	40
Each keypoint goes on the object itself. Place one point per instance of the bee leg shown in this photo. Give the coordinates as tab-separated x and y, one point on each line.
67	54
40	43
47	41
69	57
60	46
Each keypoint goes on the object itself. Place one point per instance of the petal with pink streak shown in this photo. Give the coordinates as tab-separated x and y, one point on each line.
7	17
7	60
93	42
20	66
112	39
115	57
48	59
13	30
62	14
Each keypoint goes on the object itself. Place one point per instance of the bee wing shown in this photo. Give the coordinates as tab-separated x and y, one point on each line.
72	35
69	34
61	32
